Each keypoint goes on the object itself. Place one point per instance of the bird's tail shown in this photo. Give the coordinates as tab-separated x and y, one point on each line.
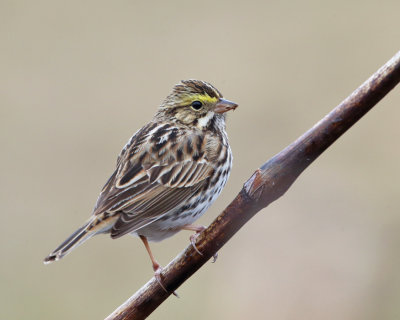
74	240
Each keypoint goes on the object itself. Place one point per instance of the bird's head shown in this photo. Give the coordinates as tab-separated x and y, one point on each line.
195	103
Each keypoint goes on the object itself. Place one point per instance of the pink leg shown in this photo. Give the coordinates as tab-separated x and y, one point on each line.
156	266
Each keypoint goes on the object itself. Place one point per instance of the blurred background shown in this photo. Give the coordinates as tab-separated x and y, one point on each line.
79	78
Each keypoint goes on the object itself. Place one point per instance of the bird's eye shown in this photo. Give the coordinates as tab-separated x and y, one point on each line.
197	105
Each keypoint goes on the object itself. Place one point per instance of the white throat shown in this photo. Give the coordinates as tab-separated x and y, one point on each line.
203	122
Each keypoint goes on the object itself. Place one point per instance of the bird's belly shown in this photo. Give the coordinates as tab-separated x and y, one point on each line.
188	213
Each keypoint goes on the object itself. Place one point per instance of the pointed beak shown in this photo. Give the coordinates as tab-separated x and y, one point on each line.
223	106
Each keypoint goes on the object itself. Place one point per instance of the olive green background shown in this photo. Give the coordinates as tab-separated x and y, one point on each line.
77	78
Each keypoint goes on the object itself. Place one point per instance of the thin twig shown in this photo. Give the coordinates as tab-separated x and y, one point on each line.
267	184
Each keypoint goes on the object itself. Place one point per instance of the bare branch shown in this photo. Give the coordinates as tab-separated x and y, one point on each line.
267	184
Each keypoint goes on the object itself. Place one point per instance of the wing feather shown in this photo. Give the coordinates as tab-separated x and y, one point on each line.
159	199
145	187
148	212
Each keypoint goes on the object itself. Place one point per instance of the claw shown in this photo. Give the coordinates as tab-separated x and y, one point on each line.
157	275
193	238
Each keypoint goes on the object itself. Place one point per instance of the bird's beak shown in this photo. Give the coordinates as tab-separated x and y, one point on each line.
223	106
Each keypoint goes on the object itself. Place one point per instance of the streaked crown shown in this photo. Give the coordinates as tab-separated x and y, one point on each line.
188	91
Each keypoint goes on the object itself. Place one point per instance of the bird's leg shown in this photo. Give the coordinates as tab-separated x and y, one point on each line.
156	266
193	237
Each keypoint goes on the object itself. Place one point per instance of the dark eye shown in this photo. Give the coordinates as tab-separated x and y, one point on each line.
196	105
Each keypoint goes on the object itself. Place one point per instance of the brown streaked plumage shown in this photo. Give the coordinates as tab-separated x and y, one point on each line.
168	174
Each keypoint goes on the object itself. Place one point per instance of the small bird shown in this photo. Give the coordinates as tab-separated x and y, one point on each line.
168	173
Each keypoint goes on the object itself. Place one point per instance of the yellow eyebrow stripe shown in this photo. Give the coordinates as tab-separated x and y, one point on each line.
200	97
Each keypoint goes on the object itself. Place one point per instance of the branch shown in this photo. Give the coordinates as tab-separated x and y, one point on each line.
267	184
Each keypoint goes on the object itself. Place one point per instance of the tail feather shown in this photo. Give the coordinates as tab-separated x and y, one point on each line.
73	241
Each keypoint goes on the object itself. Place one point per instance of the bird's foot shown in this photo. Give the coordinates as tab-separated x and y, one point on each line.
193	238
157	275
